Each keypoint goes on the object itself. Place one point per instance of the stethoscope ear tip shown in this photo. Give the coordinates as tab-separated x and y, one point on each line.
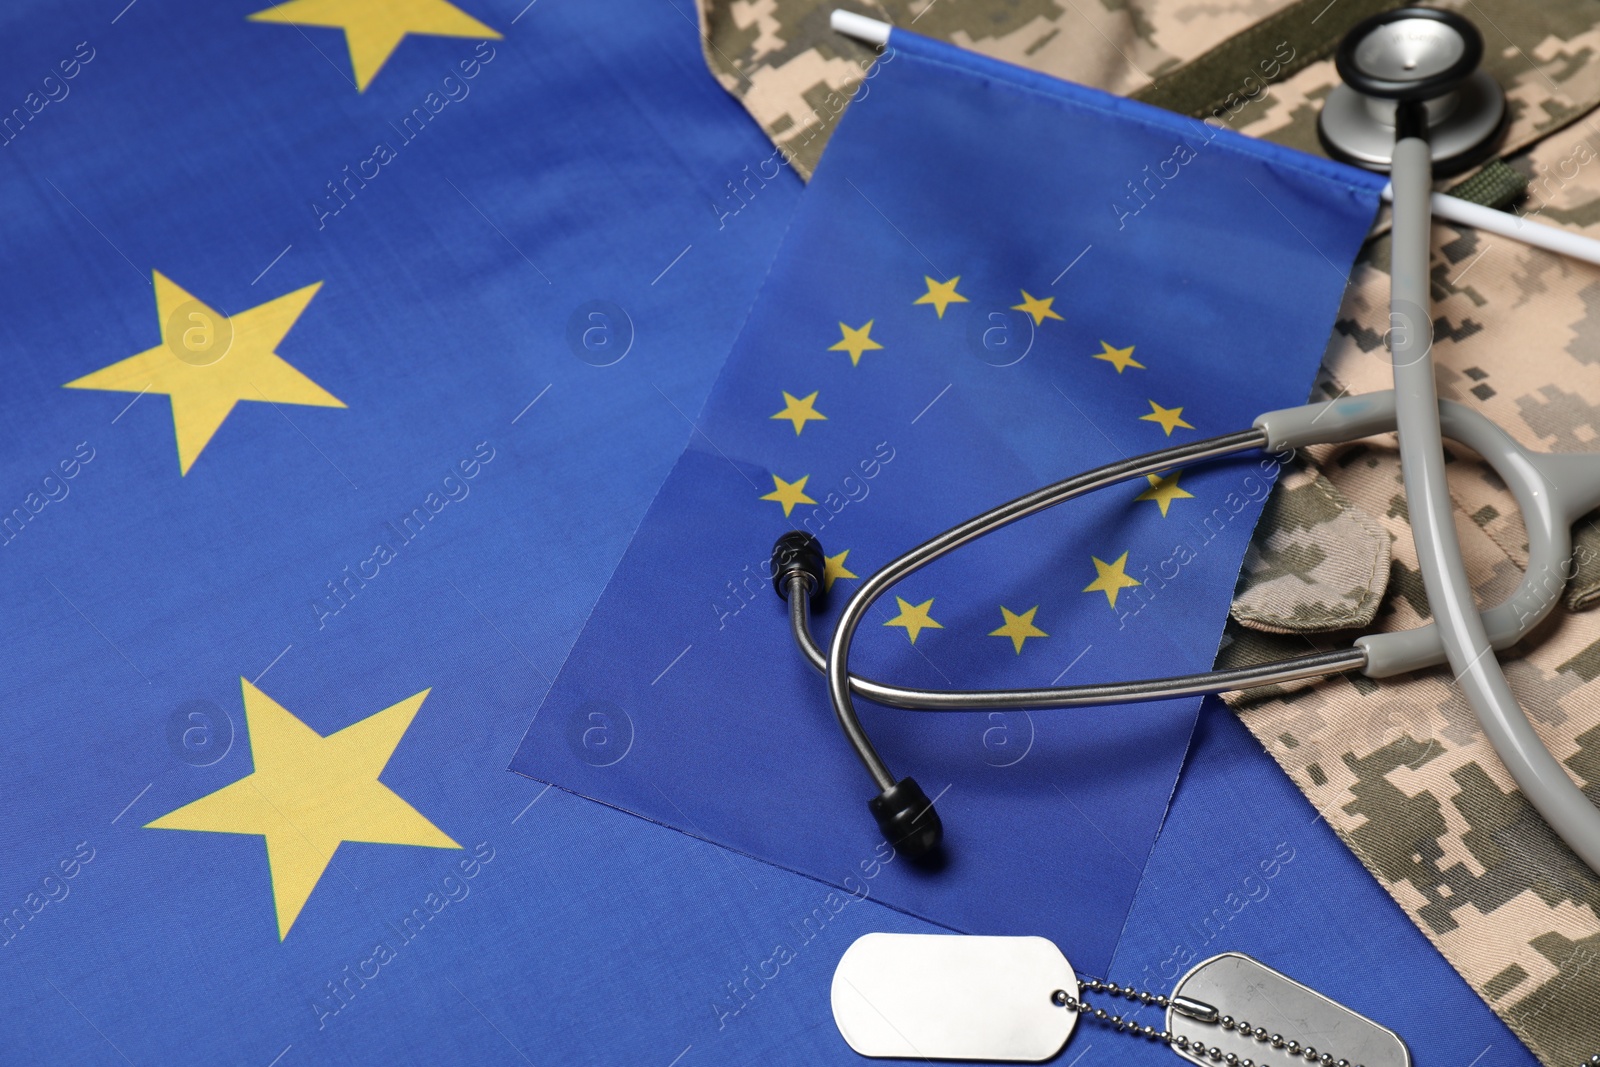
798	554
909	822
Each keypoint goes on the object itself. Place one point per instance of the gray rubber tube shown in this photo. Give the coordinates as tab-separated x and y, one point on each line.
1537	773
1551	491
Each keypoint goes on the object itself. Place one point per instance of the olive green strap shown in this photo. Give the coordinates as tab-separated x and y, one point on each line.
1240	68
1497	185
1274	48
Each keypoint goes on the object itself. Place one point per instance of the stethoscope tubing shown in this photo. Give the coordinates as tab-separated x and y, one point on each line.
1552	491
1280	672
879	582
1444	573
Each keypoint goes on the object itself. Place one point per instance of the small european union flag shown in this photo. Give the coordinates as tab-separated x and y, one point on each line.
994	281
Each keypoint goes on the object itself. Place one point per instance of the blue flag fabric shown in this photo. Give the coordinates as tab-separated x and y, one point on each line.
369	385
994	280
200	145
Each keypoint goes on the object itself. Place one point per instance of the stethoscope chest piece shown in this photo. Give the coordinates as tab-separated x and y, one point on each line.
1413	54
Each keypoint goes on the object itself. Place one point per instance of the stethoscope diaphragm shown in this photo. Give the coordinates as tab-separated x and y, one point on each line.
1413	54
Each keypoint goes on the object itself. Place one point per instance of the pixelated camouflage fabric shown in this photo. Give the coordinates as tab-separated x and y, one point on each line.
1317	563
1546	55
795	75
1400	769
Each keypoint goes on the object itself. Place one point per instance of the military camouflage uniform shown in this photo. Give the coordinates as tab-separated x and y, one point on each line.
793	73
1400	769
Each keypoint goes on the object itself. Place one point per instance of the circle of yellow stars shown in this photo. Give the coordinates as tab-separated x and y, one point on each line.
1111	578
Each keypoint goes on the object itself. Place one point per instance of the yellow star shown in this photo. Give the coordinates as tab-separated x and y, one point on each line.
1039	309
941	294
800	411
308	793
207	363
1120	358
855	341
789	493
835	570
374	28
1164	491
1168	419
914	619
1111	578
1018	627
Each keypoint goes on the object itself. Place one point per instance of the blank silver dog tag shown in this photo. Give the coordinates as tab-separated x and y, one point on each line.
953	997
1272	1003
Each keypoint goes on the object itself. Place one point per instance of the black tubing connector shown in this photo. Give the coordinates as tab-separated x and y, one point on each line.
1410	120
797	553
907	819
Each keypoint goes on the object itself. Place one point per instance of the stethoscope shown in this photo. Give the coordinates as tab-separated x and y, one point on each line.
1413	102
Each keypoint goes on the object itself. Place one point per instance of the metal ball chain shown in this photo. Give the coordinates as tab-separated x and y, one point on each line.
1061	998
1194	1046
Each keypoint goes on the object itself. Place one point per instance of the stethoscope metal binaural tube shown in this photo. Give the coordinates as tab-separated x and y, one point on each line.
1319	665
903	812
1552	492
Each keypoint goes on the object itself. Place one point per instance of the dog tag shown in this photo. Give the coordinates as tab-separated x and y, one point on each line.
953	997
1270	1003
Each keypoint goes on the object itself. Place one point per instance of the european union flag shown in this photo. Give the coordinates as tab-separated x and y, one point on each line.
346	352
346	344
995	280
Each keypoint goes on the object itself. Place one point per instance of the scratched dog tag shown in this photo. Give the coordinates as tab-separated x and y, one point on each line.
1274	1004
953	997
